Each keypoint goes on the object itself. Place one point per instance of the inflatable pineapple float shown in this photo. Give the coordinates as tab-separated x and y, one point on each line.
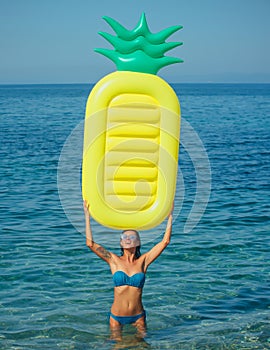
131	133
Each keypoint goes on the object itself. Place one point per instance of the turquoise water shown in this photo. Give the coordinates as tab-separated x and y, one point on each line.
208	290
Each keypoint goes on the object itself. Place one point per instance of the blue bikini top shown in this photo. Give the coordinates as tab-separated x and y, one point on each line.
120	278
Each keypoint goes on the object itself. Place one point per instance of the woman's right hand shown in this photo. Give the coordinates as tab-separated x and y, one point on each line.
86	208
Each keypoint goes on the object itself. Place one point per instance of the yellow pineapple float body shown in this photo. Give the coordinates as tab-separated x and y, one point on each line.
131	133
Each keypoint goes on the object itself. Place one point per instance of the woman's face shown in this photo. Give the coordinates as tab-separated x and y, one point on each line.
130	239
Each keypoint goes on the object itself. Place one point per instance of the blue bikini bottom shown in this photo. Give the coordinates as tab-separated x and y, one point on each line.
127	319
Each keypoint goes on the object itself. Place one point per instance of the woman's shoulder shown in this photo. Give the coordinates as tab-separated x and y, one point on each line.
115	259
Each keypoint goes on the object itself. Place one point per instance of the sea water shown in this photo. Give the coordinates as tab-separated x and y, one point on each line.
208	290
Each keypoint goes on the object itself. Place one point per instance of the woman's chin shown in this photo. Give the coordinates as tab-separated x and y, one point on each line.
128	246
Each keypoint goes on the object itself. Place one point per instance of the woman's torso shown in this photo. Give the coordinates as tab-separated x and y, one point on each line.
128	279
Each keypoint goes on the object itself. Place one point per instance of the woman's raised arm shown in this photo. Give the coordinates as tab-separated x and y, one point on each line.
158	248
96	248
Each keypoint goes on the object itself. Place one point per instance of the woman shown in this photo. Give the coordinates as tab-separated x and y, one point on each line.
128	273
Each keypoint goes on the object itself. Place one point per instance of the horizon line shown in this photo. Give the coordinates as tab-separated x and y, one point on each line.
91	83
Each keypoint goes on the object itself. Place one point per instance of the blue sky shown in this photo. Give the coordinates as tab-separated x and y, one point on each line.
52	41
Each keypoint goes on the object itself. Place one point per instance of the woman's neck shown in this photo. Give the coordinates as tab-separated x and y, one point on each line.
129	254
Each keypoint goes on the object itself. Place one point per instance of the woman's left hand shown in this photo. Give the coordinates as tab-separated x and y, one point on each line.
171	211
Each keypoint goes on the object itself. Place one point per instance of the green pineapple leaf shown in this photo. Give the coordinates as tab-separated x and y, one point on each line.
139	50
